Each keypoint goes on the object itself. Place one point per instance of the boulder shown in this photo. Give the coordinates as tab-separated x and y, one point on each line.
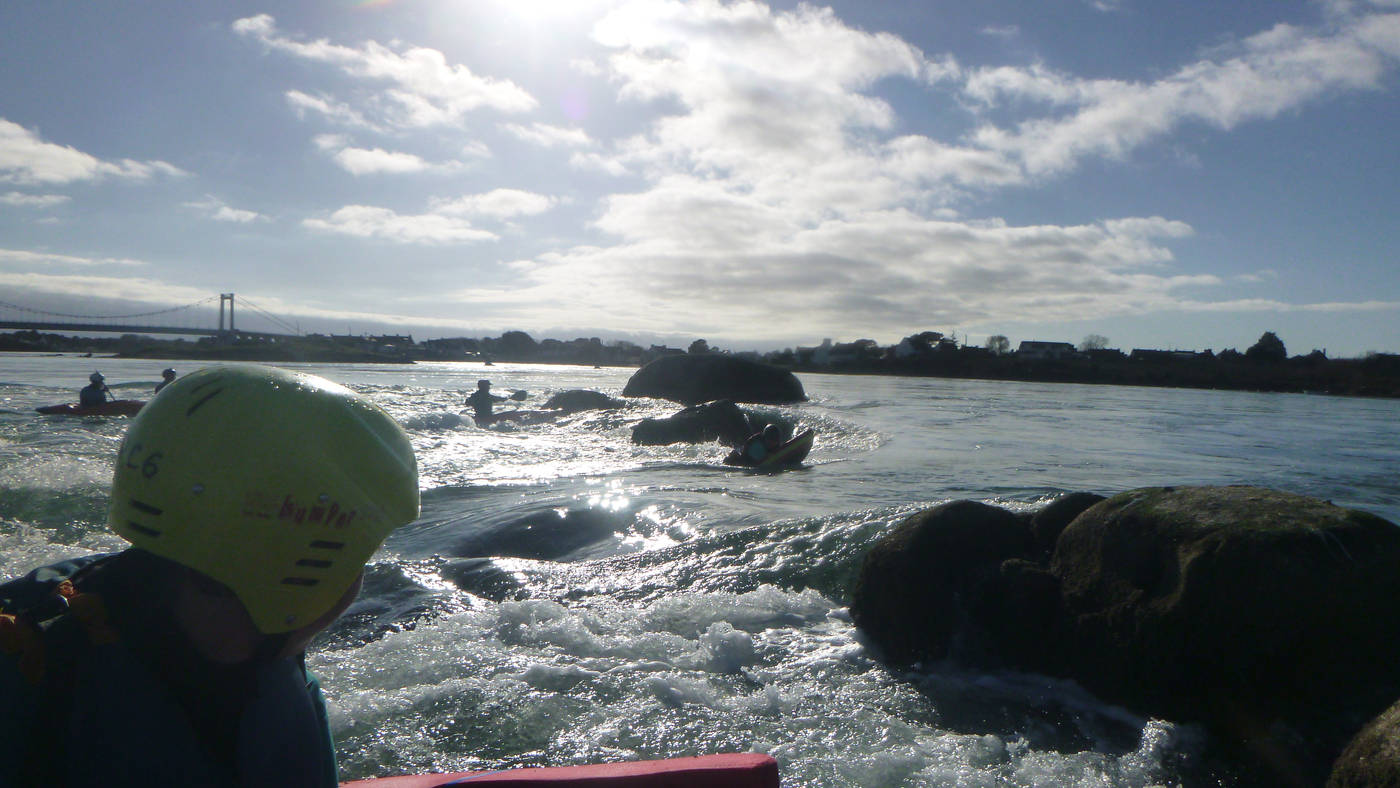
908	598
721	420
693	378
1268	617
576	400
1373	756
1195	601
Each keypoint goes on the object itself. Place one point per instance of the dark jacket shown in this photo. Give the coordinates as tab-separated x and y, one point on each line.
123	703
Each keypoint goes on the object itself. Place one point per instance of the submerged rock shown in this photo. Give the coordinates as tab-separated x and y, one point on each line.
1373	757
693	378
576	400
721	420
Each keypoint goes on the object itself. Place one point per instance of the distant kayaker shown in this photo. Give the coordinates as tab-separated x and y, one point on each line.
95	393
763	443
482	400
252	498
167	377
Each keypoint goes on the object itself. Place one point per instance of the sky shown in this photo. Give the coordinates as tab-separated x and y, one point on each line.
760	175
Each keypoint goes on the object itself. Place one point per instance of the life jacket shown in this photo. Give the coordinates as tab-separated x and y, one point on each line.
87	711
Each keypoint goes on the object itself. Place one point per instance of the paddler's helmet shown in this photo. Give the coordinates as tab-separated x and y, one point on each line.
168	372
772	433
483	384
279	485
96	377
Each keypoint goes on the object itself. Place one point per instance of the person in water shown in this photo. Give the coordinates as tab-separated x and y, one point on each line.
482	400
166	378
763	443
252	498
95	392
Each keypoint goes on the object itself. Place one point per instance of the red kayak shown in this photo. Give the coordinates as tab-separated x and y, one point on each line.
116	407
737	770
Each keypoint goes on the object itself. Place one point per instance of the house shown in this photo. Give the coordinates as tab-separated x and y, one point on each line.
1046	351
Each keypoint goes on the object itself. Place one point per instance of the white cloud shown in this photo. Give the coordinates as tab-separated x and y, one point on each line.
414	86
329	108
214	208
1275	71
361	161
27	159
547	136
499	203
33	200
366	221
25	257
597	161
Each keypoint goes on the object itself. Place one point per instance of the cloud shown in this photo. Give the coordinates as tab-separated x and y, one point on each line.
366	221
500	204
214	208
20	199
399	87
547	136
1278	70
27	159
25	257
371	161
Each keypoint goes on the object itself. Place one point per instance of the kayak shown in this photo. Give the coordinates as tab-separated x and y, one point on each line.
790	453
735	770
116	407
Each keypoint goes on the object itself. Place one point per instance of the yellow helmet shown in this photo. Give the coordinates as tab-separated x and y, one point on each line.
279	485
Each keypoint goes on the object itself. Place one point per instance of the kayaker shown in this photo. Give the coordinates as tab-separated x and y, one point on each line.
95	393
252	498
482	400
763	443
167	376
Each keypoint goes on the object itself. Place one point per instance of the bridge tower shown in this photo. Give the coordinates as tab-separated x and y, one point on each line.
229	298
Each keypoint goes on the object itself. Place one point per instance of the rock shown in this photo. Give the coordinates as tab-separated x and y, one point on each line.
693	378
908	596
1269	617
1047	523
1266	616
576	400
1373	757
721	420
1280	602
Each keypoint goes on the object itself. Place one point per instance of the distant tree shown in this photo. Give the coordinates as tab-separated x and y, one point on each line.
998	344
1268	348
517	344
699	346
1093	342
1230	354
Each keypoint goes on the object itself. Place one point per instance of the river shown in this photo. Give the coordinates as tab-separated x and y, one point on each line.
567	597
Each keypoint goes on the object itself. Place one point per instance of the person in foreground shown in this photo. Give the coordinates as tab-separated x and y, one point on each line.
252	498
95	392
763	443
166	378
482	400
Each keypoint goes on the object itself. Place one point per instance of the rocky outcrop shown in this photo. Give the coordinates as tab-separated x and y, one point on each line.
693	378
713	421
1267	616
577	400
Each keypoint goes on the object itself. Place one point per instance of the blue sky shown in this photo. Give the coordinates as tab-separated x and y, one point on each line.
1169	175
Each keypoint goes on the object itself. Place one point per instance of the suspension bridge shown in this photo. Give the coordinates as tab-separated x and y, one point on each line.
196	319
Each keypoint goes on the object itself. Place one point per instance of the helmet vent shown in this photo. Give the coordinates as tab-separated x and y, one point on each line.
142	506
314	563
323	545
139	528
299	581
196	406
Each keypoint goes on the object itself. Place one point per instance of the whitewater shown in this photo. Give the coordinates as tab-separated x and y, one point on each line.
567	597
